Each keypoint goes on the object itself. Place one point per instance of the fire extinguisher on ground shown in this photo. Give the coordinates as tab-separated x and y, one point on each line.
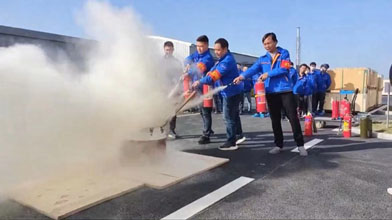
347	120
308	125
335	109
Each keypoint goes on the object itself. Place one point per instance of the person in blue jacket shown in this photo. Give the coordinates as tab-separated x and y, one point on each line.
248	85
323	83
239	68
303	90
197	65
314	77
275	65
226	71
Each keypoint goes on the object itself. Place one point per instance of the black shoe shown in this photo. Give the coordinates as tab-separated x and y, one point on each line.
228	146
204	140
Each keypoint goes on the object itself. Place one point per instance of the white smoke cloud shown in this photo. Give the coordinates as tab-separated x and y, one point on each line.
51	121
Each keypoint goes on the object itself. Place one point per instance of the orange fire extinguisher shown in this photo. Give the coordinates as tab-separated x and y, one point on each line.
345	108
308	125
187	85
260	97
335	109
347	120
207	102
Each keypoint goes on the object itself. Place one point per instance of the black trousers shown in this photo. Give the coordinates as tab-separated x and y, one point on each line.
207	120
173	124
218	102
318	100
277	102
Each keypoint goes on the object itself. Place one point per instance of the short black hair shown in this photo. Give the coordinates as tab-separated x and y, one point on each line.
202	38
223	43
313	64
168	44
272	35
304	64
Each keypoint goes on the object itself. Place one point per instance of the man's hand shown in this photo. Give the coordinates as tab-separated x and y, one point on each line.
186	69
238	80
263	76
187	93
195	84
183	76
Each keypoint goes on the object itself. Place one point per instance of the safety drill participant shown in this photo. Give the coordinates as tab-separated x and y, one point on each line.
275	65
172	68
314	77
303	90
323	83
248	85
226	71
197	65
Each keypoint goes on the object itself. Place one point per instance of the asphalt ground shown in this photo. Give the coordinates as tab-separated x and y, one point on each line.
340	179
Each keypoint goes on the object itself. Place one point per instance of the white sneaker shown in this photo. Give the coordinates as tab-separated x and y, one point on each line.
302	151
390	191
275	150
241	140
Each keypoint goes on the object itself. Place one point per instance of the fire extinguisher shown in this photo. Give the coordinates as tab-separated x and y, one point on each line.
345	108
187	85
308	125
207	102
260	97
347	119
335	109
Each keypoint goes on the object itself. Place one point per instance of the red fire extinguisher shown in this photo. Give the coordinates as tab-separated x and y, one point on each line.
207	102
335	109
260	97
187	85
347	125
308	125
345	108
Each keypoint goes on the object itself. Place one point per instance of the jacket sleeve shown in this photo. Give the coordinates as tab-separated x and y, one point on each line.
214	75
284	66
294	77
328	81
299	86
254	69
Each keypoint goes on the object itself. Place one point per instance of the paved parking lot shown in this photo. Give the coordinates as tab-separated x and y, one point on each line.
340	179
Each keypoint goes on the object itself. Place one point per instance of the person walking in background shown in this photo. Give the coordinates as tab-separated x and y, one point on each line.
323	83
275	65
239	68
248	85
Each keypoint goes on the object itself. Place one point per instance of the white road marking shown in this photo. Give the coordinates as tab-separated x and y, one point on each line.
209	199
309	144
389	191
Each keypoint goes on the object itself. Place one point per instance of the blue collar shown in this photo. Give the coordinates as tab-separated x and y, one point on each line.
228	52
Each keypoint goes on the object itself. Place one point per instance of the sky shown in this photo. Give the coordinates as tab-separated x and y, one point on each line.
342	33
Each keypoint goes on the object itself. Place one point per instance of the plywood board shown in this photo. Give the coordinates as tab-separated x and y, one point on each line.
62	196
173	168
59	198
